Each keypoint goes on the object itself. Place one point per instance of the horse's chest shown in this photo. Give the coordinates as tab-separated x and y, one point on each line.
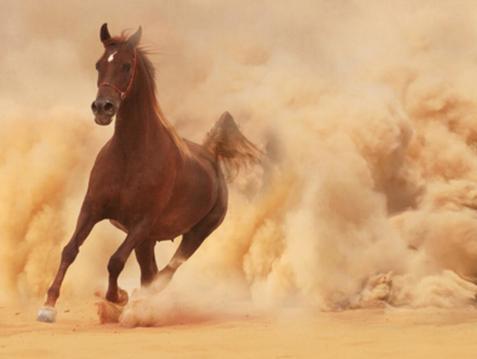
132	196
137	195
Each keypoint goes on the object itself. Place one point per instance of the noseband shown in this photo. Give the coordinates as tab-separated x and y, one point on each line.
124	93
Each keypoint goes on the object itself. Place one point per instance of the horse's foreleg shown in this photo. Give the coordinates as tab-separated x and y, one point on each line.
83	227
147	261
119	258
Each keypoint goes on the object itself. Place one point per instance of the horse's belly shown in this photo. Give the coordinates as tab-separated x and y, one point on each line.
194	195
174	223
174	220
161	231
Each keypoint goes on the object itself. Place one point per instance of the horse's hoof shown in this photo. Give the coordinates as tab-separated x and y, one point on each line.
46	315
123	297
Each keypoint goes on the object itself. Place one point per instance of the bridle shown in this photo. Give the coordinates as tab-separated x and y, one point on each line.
124	93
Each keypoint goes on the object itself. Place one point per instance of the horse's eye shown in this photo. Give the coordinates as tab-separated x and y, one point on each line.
126	67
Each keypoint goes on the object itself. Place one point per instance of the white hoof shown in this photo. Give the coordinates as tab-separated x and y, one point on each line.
46	315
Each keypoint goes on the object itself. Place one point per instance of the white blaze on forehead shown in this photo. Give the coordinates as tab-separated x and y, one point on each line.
111	57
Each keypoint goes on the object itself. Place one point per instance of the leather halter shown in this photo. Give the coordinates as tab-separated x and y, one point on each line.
124	93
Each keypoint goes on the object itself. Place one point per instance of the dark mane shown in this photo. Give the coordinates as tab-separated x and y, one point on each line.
145	66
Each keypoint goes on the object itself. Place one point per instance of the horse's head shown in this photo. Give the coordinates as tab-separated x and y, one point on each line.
116	73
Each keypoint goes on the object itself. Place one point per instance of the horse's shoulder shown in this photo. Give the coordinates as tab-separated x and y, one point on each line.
104	169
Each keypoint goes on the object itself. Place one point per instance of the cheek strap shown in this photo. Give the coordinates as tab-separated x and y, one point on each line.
123	93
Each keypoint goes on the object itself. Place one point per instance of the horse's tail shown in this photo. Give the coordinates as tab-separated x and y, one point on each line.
230	147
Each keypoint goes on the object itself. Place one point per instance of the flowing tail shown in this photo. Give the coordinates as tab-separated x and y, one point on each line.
230	147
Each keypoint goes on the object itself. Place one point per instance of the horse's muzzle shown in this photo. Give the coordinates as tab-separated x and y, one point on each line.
103	120
103	110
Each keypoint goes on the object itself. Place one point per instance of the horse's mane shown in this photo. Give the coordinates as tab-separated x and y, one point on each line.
145	66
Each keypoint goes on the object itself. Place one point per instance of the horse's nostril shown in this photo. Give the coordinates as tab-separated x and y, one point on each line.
108	108
94	107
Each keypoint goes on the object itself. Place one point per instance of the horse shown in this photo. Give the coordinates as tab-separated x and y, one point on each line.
146	180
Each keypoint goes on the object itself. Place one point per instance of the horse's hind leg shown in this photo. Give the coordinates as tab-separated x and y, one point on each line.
147	261
191	241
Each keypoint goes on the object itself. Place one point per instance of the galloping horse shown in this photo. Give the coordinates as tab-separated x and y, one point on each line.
146	180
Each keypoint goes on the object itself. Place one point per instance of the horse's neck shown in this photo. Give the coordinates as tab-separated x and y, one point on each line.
135	123
139	130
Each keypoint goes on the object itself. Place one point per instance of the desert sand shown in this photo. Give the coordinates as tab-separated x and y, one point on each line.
359	334
367	199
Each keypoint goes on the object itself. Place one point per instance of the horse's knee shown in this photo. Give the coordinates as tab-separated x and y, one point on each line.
115	265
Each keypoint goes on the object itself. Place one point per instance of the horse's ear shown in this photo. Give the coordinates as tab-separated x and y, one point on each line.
104	33
135	38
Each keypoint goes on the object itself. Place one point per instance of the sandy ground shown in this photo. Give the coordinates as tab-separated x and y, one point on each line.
352	334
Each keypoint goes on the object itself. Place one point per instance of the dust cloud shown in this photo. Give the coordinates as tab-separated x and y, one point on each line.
367	111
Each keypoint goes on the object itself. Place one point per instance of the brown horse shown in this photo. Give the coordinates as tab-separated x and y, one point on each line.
146	180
